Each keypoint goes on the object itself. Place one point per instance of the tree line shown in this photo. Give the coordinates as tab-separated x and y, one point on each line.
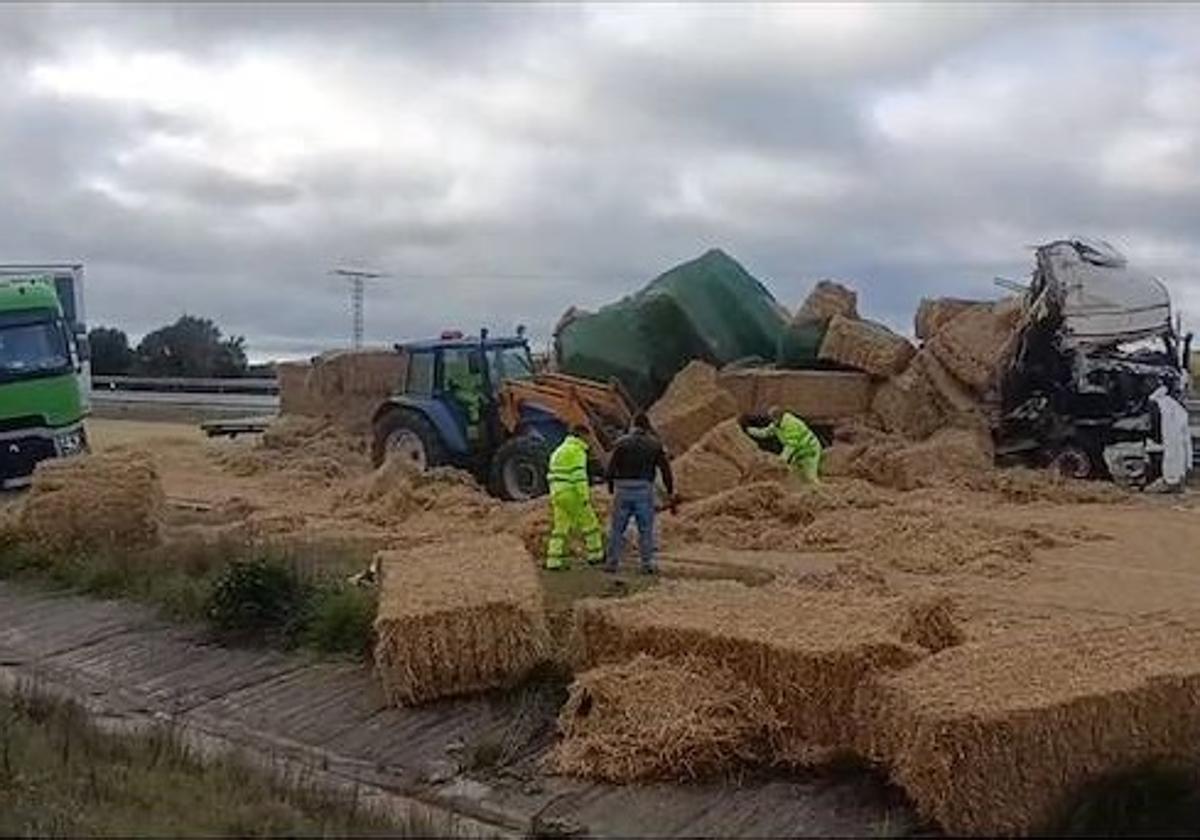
191	346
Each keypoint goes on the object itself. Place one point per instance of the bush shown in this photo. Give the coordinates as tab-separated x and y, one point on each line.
257	595
341	620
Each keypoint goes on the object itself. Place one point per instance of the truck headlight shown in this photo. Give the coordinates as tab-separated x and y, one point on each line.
70	443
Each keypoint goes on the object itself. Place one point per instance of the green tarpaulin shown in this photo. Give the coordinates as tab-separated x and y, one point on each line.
709	308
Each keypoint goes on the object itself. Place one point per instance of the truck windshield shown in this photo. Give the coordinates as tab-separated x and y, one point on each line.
30	347
511	363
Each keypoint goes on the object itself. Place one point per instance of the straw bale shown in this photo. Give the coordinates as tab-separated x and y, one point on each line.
99	502
867	346
827	300
808	652
994	737
907	406
725	457
651	719
935	313
692	404
976	344
815	395
345	386
458	617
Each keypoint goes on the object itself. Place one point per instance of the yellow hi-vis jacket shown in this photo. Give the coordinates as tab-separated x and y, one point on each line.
568	463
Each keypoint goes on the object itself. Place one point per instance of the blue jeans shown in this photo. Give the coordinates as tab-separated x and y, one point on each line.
634	500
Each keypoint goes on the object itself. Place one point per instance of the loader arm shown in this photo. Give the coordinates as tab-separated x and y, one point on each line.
605	410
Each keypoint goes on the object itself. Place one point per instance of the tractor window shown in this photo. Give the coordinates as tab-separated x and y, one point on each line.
420	374
511	363
461	368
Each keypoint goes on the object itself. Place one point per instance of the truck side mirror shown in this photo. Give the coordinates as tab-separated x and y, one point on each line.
83	346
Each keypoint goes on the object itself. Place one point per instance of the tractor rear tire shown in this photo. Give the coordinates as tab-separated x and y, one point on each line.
410	435
519	469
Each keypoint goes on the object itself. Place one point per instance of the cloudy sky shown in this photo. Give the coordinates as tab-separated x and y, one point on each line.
504	161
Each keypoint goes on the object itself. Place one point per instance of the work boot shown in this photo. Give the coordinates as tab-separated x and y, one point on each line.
649	570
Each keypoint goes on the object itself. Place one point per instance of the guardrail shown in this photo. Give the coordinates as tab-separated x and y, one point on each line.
186	385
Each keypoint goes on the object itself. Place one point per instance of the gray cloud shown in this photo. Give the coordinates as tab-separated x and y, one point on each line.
505	161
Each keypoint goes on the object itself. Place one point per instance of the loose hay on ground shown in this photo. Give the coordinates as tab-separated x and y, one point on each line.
692	405
311	450
458	617
994	737
808	652
931	622
99	502
662	719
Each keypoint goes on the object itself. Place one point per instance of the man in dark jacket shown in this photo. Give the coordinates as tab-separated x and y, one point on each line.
631	472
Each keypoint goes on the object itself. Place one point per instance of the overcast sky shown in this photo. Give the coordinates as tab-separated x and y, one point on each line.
504	161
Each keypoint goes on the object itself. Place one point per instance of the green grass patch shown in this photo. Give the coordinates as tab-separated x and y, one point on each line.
61	776
279	594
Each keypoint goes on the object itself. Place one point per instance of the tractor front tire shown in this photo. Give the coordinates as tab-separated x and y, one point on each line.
519	469
409	435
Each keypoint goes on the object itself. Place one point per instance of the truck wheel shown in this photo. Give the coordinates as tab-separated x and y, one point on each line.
1072	462
407	435
519	469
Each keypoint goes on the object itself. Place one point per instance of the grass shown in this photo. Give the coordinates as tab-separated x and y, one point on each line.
61	776
286	595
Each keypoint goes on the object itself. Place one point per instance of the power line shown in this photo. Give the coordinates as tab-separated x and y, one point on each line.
357	280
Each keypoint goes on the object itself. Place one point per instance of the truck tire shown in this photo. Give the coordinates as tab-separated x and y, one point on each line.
519	469
409	435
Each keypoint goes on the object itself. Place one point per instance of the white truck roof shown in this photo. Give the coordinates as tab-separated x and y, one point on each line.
1103	300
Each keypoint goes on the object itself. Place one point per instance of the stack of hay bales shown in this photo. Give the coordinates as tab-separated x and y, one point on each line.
866	346
974	345
344	386
994	737
821	396
458	617
661	719
808	652
94	503
723	458
693	404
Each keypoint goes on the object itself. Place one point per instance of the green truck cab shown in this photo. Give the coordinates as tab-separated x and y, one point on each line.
42	399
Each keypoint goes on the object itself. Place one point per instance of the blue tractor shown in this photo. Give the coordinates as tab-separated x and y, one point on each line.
479	404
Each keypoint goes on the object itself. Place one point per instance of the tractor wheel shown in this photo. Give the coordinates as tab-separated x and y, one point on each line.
407	435
519	469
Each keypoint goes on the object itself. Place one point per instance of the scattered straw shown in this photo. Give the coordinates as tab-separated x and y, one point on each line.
309	450
662	719
930	622
458	617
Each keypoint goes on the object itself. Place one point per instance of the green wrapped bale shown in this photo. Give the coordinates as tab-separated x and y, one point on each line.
709	309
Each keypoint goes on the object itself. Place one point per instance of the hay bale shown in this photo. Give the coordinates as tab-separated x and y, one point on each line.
294	396
906	405
345	386
935	313
867	346
816	395
458	617
827	300
650	719
692	404
808	652
723	458
94	503
975	345
993	737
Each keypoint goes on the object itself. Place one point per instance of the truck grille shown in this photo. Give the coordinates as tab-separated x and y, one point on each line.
18	456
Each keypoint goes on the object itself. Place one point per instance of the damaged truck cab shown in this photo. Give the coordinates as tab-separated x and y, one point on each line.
1097	340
